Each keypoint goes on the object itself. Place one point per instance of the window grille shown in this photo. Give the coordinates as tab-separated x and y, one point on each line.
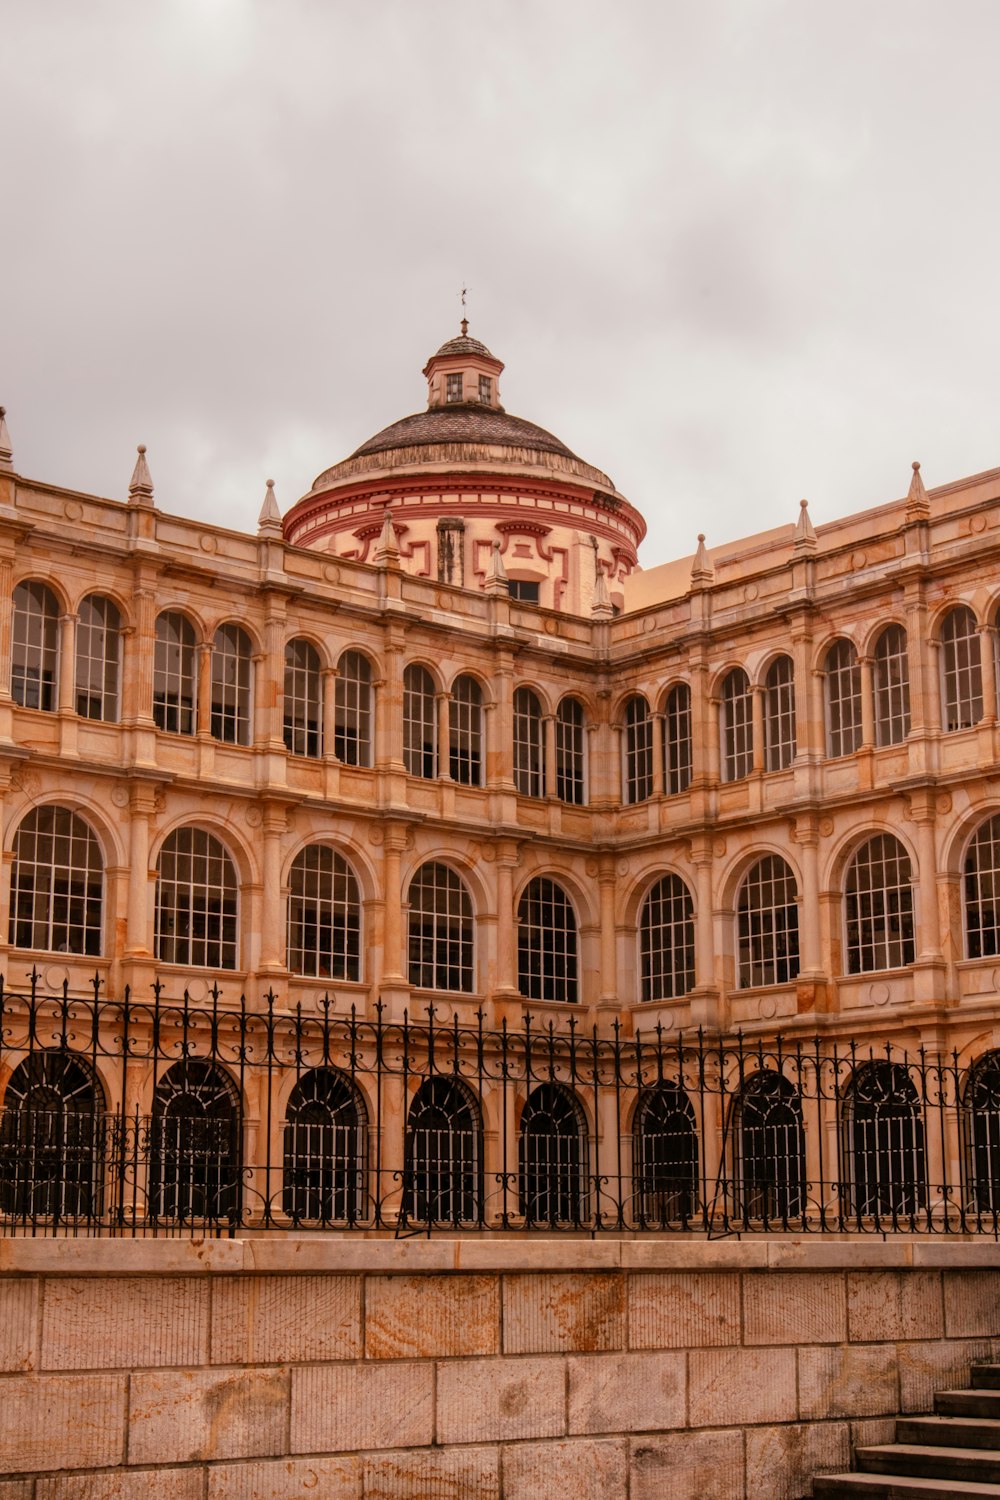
891	679
524	590
52	1140
194	1160
56	884
779	714
737	726
843	699
174	683
677	739
666	940
529	744
884	1134
98	659
303	699
453	387
485	388
440	930
879	907
665	1144
352	730
34	647
546	943
570	785
324	915
443	1155
552	1157
982	891
638	751
771	1164
325	1150
981	1135
231	665
961	670
768	924
196	896
419	723
465	721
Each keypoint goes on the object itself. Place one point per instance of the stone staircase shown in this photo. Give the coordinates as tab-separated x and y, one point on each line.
953	1453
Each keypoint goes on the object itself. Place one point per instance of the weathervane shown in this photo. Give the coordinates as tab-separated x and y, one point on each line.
465	322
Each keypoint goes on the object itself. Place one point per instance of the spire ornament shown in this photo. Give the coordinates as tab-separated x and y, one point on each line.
269	520
6	451
140	489
601	608
387	547
702	571
917	503
805	532
496	581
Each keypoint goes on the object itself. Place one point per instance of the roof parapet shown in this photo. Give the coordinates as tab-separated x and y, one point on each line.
140	488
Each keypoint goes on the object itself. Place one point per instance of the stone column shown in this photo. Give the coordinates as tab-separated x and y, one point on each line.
713	726
759	761
328	678
811	948
658	755
261	702
141	808
204	724
67	663
609	965
704	962
443	701
389	743
988	660
6	624
867	702
392	946
506	863
933	687
272	947
549	782
928	935
495	757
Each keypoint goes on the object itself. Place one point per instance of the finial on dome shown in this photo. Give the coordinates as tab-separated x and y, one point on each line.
269	520
140	489
387	548
805	532
601	608
701	569
497	581
465	327
6	451
917	503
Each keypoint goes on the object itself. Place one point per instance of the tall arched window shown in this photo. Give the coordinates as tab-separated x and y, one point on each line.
884	1137
891	685
175	694
666	940
768	924
324	915
638	750
843	699
98	659
325	1150
570	783
34	646
961	670
56	883
196	895
231	666
665	1143
779	714
352	726
443	1159
420	725
981	1136
303	699
982	891
879	906
552	1157
677	740
546	943
194	1147
440	930
51	1139
737	726
529	744
465	726
771	1163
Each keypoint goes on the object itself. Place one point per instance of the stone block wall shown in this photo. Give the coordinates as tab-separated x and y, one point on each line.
471	1369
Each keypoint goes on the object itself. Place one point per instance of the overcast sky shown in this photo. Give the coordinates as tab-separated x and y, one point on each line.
733	252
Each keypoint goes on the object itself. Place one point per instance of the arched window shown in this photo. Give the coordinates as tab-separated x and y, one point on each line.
879	906
843	699
884	1132
419	722
303	699
231	664
52	1140
961	670
443	1165
325	1150
465	729
196	894
666	940
352	727
982	891
552	1157
34	647
56	883
981	1136
665	1142
98	659
677	746
771	1162
570	784
324	915
174	686
638	750
194	1147
768	924
779	714
737	726
529	744
440	930
891	685
546	943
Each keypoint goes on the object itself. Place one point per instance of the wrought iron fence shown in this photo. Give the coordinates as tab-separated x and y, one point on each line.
159	1117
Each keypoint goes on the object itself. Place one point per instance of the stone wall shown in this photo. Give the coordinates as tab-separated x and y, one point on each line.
470	1369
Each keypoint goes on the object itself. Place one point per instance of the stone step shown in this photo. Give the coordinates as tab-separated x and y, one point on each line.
967	1403
986	1377
949	1432
899	1487
979	1464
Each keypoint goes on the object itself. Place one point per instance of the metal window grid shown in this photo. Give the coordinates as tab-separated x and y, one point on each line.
982	891
529	744
443	1155
665	1158
961	670
843	699
891	682
303	700
56	883
352	730
98	659
737	726
174	685
570	784
324	915
666	940
638	751
779	714
440	930
878	902
552	1156
677	743
465	724
546	943
419	723
231	664
884	1147
34	646
325	1150
196	901
768	924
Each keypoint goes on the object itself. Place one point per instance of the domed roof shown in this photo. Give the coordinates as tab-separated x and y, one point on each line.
464	345
463	423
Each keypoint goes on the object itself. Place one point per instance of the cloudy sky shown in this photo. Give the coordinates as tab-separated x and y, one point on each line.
733	252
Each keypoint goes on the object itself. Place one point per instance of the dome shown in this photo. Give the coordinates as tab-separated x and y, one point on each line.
463	345
485	425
